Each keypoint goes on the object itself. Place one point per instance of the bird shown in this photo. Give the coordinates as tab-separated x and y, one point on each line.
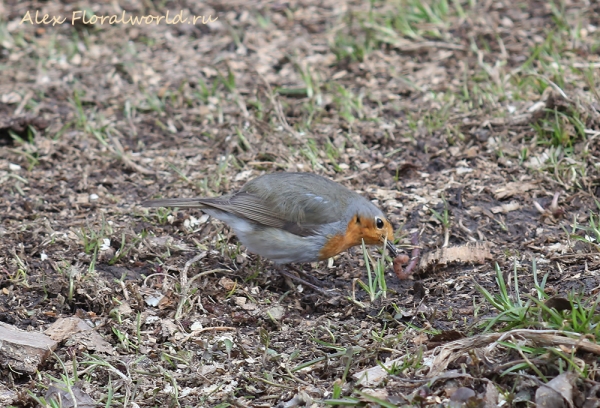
295	217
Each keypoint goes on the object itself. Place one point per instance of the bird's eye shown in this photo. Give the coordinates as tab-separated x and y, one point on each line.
379	223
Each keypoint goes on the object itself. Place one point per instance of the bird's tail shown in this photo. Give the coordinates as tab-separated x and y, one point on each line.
175	202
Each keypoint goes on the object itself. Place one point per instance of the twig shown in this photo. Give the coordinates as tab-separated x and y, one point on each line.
185	285
21	106
278	109
118	151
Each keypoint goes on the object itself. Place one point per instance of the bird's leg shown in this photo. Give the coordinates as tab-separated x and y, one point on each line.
308	276
300	280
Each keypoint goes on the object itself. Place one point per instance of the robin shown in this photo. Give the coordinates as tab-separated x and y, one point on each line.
295	217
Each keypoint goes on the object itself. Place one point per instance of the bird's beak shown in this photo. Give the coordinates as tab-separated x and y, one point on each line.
390	247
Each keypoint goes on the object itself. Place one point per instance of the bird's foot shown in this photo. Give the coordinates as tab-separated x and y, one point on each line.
313	285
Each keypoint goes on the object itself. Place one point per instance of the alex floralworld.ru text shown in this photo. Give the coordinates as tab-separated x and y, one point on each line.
122	18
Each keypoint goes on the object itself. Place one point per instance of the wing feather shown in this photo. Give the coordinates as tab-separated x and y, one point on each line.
254	209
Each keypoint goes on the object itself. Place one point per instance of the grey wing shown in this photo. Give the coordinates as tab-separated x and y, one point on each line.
243	205
301	198
260	211
300	203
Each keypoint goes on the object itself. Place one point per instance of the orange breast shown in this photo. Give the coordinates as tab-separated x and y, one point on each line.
334	246
339	243
355	233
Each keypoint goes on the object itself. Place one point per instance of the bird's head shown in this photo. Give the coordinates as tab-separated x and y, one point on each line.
373	230
367	224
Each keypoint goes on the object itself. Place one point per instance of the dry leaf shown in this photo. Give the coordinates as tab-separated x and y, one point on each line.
469	253
513	188
506	208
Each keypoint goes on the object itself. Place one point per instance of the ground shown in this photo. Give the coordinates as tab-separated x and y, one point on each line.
467	122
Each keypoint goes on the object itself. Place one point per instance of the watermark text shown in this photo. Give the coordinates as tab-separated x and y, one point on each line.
124	18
